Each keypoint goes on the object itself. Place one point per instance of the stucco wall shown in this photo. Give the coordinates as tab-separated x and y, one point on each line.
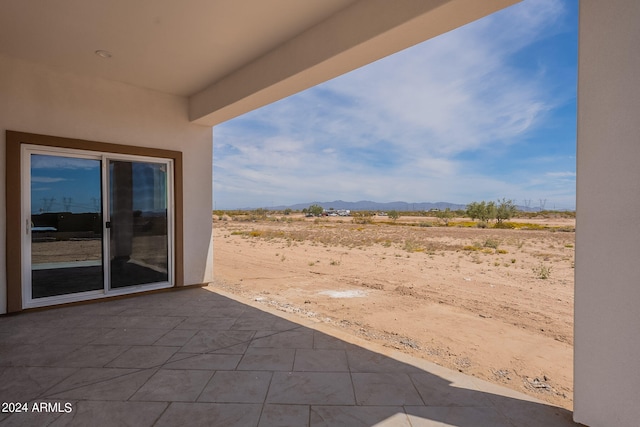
607	298
40	100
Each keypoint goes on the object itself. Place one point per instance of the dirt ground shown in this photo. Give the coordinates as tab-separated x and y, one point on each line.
493	303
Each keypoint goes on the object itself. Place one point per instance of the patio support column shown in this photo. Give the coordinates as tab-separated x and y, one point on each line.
607	294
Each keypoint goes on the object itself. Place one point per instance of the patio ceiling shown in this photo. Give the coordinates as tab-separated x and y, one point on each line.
226	56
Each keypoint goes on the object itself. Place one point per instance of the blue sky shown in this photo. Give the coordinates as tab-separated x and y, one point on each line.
71	184
483	112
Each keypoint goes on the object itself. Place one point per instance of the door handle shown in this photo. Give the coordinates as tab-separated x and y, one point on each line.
107	224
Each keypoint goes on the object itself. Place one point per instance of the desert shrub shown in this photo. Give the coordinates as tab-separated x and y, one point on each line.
482	224
542	271
362	217
411	246
462	224
444	216
491	243
425	224
528	226
505	225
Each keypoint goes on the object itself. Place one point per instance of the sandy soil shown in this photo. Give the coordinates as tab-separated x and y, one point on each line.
467	298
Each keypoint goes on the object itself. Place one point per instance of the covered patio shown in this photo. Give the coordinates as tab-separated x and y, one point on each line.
126	86
200	357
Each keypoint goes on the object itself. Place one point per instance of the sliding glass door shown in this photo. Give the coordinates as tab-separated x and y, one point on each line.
65	225
95	224
138	232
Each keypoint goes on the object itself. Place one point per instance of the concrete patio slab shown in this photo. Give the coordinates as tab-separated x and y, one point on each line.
213	360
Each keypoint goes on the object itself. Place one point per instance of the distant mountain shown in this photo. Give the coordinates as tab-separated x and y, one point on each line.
367	205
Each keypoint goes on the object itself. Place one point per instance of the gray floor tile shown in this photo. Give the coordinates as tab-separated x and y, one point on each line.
237	387
284	416
530	414
203	322
385	389
34	354
143	357
311	388
238	349
437	392
108	414
321	360
38	415
212	362
361	360
225	312
91	356
286	339
75	335
124	321
168	385
210	414
267	359
130	336
27	383
176	337
101	384
281	324
358	416
209	341
24	334
324	341
432	416
233	365
253	323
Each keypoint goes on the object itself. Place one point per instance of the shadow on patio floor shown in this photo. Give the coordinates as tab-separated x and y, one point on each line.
196	357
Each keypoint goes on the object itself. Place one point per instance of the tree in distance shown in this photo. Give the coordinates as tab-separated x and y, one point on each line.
483	211
444	216
486	211
506	210
315	210
394	215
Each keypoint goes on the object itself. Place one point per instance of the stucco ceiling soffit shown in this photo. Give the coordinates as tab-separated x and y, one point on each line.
359	34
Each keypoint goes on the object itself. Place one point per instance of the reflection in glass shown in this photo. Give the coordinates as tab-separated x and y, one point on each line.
138	226
66	225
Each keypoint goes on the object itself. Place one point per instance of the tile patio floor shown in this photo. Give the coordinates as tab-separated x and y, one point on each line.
196	357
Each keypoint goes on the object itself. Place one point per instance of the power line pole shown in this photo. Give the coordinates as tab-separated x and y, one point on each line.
543	202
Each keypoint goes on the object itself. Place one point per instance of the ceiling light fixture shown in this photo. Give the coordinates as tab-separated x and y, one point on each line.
103	54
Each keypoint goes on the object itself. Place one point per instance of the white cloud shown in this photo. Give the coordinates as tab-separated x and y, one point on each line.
46	179
561	174
396	129
39	161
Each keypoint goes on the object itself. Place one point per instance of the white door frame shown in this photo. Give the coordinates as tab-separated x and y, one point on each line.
26	150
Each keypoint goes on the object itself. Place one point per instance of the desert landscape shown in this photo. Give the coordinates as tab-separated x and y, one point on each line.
493	303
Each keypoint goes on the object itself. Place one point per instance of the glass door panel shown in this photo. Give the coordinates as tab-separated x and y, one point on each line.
138	223
66	225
